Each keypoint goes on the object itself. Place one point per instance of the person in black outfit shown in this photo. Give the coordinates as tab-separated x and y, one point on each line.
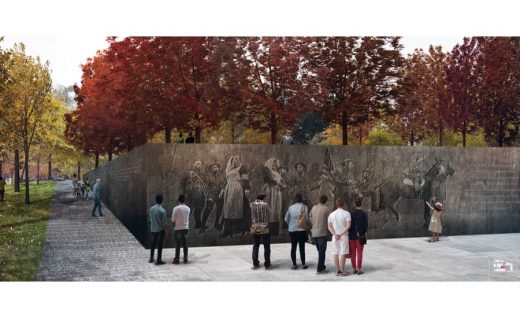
357	235
190	139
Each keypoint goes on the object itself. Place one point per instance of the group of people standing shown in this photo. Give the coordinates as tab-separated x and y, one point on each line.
159	227
349	232
189	140
80	188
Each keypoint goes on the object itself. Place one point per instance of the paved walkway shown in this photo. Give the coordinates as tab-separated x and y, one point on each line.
81	248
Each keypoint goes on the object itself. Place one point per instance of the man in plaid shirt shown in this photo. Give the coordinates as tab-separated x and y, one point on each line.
260	214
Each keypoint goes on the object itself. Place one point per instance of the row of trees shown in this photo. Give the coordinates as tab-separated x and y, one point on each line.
31	115
476	86
156	84
141	86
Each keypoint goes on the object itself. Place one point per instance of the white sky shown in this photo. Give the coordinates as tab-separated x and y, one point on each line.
66	53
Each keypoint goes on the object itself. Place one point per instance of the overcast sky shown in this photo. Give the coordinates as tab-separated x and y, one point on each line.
67	53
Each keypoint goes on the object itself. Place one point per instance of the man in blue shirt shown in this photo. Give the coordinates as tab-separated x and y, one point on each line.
97	198
158	225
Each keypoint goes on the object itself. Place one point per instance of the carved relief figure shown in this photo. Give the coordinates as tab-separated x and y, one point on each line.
301	183
194	188
273	186
215	183
235	198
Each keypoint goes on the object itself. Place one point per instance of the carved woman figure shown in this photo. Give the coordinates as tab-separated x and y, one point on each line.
273	186
234	198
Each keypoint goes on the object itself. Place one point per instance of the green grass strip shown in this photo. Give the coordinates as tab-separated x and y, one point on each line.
22	230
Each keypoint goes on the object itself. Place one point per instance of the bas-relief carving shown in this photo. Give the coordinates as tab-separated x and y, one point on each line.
481	189
223	195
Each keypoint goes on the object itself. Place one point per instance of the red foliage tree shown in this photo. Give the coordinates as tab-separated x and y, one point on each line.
499	90
278	83
359	77
463	75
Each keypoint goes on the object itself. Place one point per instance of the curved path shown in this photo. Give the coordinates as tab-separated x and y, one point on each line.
81	248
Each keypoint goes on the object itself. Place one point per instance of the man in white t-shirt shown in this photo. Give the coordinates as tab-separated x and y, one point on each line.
181	223
339	224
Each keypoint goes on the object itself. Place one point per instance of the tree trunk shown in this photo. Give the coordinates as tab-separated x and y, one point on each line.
344	127
168	135
109	156
441	133
79	171
274	128
232	133
49	177
464	129
412	138
198	133
1	167
38	170
26	168
97	159
501	133
17	170
360	135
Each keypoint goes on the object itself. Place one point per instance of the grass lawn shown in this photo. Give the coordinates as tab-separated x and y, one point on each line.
22	230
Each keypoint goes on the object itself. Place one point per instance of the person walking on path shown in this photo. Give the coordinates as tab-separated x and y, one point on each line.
435	220
158	227
339	224
97	198
298	234
260	214
190	139
74	186
180	139
319	216
181	224
357	235
87	188
2	188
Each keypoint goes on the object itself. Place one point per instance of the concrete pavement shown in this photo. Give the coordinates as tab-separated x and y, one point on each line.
81	248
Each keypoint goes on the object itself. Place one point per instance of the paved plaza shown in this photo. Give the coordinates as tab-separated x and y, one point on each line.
81	248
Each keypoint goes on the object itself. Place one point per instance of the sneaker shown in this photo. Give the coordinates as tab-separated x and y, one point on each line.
360	272
338	273
160	263
151	260
354	272
294	267
268	267
93	216
185	260
342	274
305	266
175	261
255	266
325	271
101	215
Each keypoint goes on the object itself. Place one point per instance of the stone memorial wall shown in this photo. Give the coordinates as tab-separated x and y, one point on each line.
479	187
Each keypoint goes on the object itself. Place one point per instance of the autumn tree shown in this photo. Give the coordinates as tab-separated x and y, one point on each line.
359	78
28	98
279	85
499	89
423	96
463	75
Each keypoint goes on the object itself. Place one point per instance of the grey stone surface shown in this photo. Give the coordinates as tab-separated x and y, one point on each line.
81	248
480	187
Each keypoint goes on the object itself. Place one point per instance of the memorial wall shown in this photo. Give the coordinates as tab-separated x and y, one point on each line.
479	187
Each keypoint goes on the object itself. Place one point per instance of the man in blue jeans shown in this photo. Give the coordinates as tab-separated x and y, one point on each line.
319	219
97	198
